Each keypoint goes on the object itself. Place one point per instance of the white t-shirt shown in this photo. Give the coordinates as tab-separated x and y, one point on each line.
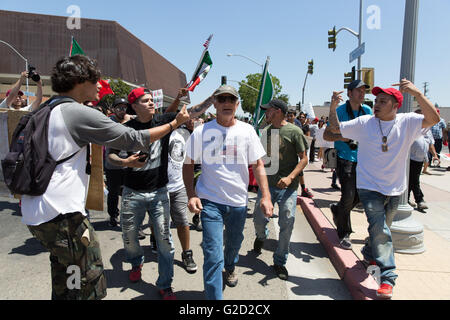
384	172
68	177
4	105
177	153
225	154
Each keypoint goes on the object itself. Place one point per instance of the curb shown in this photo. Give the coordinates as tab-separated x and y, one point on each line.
350	269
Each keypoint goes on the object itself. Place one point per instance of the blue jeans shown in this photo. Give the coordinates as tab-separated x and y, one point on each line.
287	204
214	217
134	206
380	211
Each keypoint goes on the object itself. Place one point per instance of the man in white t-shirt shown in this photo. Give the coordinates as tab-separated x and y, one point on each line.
225	147
384	142
14	97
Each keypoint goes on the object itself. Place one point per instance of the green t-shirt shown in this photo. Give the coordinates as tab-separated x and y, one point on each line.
292	142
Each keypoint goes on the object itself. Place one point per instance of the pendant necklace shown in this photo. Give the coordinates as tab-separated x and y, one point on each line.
384	146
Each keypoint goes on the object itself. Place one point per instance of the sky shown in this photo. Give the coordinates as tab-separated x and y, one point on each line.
290	32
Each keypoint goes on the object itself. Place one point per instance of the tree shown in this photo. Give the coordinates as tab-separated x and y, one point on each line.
249	95
120	88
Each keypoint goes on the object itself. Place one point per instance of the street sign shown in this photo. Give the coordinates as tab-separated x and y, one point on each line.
355	54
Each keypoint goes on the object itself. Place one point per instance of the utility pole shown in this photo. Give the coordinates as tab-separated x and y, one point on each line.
407	233
425	89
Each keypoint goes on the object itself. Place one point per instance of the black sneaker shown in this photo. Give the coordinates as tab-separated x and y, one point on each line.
345	243
141	234
257	245
113	221
281	272
231	278
197	222
335	186
153	244
188	261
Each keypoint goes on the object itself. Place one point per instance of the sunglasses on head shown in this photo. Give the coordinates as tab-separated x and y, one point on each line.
222	99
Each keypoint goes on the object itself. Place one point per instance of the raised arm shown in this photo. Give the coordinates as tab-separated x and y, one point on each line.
333	126
182	92
200	108
37	102
16	88
431	117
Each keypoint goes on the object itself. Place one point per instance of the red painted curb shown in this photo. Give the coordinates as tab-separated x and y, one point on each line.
350	269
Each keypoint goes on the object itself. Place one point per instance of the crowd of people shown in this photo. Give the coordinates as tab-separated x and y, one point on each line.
162	164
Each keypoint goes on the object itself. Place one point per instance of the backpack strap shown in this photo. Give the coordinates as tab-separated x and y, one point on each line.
55	101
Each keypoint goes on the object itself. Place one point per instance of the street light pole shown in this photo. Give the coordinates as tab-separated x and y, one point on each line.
407	233
26	61
250	59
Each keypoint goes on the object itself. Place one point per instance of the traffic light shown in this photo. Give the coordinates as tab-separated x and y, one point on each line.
311	66
299	106
332	39
368	76
349	77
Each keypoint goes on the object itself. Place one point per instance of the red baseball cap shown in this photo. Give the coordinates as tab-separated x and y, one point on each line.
20	93
137	93
390	91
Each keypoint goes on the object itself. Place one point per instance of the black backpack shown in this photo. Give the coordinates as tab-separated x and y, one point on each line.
28	166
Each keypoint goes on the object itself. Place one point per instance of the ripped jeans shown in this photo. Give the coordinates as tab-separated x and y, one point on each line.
134	206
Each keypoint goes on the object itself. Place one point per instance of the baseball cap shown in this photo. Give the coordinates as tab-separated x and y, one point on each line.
119	100
277	104
390	91
133	96
137	93
20	93
226	89
357	84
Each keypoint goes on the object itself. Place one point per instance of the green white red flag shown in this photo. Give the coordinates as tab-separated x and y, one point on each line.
75	48
203	66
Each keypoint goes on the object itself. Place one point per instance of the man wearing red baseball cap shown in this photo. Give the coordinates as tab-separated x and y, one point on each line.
384	142
14	97
145	189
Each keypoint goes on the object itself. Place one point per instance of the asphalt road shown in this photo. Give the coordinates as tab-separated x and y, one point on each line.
26	268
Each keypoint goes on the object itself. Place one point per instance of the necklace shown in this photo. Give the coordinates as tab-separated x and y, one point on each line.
384	146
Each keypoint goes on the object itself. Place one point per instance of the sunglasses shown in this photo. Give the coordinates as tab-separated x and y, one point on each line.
223	99
120	107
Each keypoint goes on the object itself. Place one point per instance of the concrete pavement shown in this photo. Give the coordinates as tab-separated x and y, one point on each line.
420	276
26	268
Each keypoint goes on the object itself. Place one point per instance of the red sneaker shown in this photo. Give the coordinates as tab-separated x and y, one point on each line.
306	193
167	294
135	273
385	291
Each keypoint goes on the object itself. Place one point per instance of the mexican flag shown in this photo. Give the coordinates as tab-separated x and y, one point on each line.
264	96
203	67
201	72
75	48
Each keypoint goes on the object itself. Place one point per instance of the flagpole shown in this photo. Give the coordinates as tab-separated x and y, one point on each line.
71	46
201	59
261	93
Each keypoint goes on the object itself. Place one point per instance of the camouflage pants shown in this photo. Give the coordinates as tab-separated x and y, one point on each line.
62	237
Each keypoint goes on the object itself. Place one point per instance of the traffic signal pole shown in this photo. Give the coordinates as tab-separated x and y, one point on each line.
333	33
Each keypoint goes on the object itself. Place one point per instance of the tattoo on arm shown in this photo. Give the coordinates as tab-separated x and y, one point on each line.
334	122
200	108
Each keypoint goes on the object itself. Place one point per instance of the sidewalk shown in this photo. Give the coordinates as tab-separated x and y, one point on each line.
420	276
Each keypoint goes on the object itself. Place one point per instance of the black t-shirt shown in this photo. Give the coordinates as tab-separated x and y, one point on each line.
154	174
